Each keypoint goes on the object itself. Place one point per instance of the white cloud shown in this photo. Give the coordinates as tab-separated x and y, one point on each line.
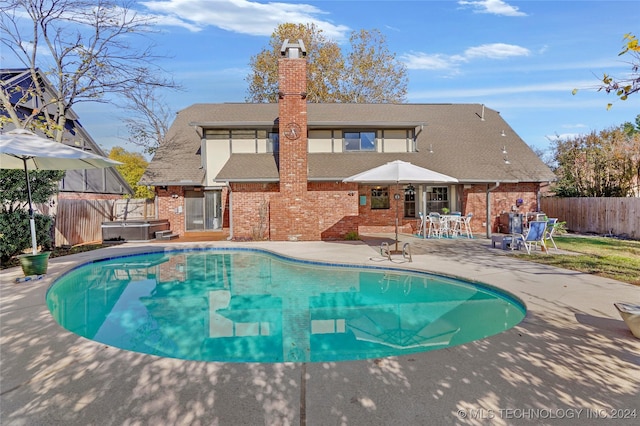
487	92
240	16
494	7
496	51
425	61
439	61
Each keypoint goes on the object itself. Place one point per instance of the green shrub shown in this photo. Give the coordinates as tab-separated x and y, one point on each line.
352	236
15	233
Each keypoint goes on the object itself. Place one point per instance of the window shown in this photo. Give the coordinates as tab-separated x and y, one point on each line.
410	201
216	134
359	141
235	134
437	198
380	198
273	145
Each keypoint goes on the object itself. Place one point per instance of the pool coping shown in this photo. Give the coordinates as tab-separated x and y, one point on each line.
572	352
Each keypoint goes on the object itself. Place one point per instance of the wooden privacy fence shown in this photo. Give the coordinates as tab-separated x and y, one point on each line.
80	221
605	216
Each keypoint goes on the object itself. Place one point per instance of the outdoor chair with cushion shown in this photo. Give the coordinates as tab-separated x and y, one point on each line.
535	235
551	226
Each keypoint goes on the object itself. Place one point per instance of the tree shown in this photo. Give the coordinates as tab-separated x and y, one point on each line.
624	87
373	75
131	170
148	118
368	73
84	48
600	164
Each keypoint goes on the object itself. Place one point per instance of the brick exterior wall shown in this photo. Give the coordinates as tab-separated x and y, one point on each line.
331	210
502	199
171	208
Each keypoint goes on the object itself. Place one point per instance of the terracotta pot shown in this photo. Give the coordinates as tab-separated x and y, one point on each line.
34	264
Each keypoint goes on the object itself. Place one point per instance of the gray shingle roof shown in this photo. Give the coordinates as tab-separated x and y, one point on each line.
464	146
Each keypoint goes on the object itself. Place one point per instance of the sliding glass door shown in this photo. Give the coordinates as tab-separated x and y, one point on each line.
203	210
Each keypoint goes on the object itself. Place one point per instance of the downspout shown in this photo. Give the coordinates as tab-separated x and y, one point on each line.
230	237
488	222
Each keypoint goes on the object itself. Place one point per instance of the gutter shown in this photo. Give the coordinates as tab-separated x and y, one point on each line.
230	237
488	222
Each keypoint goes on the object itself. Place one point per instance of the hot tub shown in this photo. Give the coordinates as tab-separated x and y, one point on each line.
133	230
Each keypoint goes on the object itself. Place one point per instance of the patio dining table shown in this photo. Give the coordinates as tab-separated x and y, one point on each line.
450	224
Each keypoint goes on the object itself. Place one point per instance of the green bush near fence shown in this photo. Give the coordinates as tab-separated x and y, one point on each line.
15	233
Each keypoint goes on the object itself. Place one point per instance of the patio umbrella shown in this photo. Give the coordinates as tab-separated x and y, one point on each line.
398	172
22	149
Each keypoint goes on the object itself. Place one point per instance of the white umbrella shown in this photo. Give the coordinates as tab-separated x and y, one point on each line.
398	172
22	149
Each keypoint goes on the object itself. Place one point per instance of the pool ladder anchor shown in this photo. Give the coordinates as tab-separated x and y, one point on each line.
385	251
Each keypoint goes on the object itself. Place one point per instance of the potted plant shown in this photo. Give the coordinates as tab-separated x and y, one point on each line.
34	264
16	241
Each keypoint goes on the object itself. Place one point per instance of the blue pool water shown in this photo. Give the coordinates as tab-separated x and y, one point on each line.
253	306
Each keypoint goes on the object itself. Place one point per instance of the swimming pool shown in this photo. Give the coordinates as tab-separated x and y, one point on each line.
246	305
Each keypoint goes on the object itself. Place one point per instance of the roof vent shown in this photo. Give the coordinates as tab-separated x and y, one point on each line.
293	50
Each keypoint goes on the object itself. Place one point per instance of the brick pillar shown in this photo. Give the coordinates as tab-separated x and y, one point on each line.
293	215
292	74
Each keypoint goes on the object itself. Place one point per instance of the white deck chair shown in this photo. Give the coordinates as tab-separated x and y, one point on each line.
535	236
551	226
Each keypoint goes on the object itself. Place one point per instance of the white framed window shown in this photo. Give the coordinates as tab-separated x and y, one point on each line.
359	141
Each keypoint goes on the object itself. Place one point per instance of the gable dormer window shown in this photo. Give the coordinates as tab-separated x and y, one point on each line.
359	141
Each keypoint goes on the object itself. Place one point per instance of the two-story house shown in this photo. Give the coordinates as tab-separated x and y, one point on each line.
276	171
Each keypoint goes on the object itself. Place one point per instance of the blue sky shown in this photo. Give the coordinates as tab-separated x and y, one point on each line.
522	58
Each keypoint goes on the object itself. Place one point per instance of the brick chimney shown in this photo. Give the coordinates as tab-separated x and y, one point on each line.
292	106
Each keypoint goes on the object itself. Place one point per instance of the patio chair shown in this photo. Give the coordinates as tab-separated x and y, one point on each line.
420	223
465	225
434	225
455	224
535	235
551	227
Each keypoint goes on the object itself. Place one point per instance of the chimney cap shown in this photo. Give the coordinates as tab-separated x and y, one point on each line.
293	50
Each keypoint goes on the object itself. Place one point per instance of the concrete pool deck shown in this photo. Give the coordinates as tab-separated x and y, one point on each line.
572	360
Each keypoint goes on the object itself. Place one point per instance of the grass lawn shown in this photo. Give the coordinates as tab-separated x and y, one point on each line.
605	257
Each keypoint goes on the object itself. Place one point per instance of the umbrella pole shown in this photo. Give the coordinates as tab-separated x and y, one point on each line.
397	197
32	222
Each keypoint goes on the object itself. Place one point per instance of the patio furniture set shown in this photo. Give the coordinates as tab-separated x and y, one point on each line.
437	225
539	233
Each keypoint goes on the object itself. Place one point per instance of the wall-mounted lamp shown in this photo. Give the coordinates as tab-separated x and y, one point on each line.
351	193
174	196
